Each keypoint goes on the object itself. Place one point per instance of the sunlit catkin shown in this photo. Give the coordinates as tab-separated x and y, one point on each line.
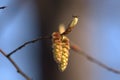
65	53
61	45
57	47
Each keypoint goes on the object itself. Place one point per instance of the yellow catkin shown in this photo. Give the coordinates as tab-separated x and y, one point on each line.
61	45
57	47
65	53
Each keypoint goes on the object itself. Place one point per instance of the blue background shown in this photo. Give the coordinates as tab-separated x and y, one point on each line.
97	33
18	24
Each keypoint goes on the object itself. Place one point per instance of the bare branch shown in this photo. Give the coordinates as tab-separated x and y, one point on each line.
28	42
80	52
15	65
73	47
20	47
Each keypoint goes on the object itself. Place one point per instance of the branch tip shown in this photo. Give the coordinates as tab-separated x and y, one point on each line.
3	7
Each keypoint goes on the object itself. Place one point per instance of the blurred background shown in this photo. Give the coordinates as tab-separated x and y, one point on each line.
97	33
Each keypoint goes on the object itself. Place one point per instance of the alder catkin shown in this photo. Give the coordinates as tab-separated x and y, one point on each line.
61	45
61	48
57	47
65	54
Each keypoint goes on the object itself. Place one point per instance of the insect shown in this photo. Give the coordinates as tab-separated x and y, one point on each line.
61	44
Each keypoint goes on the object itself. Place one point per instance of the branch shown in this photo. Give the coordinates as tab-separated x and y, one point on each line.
28	42
15	65
73	47
3	7
88	57
20	47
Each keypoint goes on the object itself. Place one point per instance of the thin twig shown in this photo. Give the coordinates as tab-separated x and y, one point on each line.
15	65
3	7
80	52
73	47
8	56
28	42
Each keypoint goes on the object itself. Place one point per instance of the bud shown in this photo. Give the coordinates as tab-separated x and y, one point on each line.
71	25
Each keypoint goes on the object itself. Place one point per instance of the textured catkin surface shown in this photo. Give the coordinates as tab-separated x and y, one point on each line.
65	53
61	48
57	47
61	45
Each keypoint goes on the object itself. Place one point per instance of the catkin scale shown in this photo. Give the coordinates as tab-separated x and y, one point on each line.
65	54
57	47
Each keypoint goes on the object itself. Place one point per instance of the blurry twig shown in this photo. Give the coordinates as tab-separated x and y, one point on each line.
28	42
3	7
15	65
73	47
88	57
8	56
